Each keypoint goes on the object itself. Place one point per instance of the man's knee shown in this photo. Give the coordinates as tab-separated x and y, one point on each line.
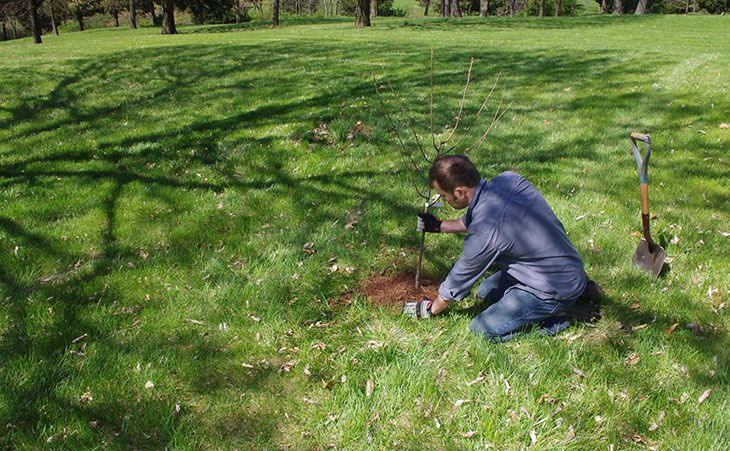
483	327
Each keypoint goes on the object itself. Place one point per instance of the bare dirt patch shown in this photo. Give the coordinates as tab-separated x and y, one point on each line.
392	290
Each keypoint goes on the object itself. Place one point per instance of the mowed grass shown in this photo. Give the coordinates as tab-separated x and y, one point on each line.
156	193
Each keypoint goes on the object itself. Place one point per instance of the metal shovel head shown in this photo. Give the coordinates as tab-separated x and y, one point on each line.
647	260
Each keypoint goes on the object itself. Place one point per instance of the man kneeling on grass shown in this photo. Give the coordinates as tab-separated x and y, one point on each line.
508	224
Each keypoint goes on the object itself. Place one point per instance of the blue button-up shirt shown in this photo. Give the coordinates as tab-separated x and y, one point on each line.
509	224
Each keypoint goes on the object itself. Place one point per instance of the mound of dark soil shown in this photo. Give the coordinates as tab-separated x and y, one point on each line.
392	290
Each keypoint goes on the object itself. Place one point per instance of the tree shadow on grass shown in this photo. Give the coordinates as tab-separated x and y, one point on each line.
223	100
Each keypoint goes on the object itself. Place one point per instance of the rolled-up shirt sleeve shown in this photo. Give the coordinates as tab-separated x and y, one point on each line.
477	256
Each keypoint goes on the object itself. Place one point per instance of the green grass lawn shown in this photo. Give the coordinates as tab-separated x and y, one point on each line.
156	193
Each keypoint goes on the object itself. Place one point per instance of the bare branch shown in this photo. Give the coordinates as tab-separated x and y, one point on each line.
410	126
481	108
430	106
461	106
495	119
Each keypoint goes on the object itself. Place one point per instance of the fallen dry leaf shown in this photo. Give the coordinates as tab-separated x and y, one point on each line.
86	397
653	427
632	359
194	321
668	331
309	249
675	240
253	318
638	327
350	225
247	365
704	396
570	435
724	125
460	402
634	305
149	384
469	434
309	401
533	436
369	386
480	377
578	372
288	366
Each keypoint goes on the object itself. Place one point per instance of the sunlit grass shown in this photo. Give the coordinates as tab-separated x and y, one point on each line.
157	191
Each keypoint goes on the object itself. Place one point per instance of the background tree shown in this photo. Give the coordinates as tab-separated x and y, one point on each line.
455	8
168	17
362	13
132	14
618	7
557	8
35	21
275	14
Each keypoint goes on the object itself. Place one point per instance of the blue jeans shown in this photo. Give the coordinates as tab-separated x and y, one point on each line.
515	309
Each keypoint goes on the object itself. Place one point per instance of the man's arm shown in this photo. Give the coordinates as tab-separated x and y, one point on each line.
453	226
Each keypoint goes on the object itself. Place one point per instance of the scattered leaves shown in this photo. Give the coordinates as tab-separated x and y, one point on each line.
469	434
460	402
194	321
309	249
285	368
247	365
634	305
369	386
533	436
149	384
704	396
632	359
669	330
724	125
480	377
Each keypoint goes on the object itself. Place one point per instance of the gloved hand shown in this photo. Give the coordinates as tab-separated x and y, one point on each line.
418	309
428	223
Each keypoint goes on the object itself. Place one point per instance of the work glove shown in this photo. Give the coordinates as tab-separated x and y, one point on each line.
418	309
428	223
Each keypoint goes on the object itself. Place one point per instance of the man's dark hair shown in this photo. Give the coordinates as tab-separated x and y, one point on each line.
450	171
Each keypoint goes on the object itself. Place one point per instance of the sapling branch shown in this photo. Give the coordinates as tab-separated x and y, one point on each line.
461	105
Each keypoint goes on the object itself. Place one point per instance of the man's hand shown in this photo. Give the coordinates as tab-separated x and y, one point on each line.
418	309
428	223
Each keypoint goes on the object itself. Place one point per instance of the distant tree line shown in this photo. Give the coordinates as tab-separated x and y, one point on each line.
19	18
540	8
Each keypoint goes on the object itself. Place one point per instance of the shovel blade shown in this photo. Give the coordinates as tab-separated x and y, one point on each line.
651	262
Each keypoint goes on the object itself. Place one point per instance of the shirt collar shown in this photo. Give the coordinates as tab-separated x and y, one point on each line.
474	199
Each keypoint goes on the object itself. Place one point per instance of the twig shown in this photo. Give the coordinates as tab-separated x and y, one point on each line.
494	122
461	106
481	108
410	126
430	106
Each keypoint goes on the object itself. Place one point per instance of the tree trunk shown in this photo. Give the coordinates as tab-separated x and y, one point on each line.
373	8
168	17
455	8
362	13
512	8
275	14
603	7
133	14
155	18
483	8
618	7
115	13
425	10
542	8
35	23
444	8
80	19
14	26
557	8
5	31
53	18
641	7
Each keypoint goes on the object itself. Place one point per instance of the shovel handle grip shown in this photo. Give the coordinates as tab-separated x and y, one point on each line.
639	137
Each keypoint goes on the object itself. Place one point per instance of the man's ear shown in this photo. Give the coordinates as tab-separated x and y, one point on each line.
459	192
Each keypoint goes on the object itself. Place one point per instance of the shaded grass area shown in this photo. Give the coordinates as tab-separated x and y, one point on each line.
156	195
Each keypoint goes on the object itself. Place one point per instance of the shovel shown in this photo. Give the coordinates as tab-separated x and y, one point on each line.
649	256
